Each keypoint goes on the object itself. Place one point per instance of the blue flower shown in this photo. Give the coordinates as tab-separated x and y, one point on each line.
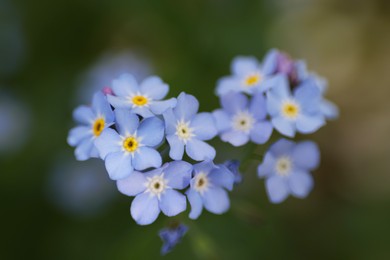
208	189
154	191
286	167
297	111
240	121
248	76
144	99
234	167
93	120
171	237
133	147
187	129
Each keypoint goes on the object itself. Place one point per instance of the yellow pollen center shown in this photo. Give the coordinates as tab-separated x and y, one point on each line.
98	126
130	144
290	110
252	80
140	100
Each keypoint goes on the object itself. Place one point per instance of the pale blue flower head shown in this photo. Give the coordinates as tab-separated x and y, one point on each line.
92	122
286	168
144	99
234	167
241	120
185	128
156	191
248	75
208	189
133	146
171	236
297	110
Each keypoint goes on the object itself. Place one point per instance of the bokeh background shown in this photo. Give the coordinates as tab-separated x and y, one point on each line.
54	54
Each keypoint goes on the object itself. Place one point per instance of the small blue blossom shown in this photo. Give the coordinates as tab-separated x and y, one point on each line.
144	99
297	111
155	191
133	148
171	237
208	189
240	120
93	121
187	129
234	167
286	167
248	76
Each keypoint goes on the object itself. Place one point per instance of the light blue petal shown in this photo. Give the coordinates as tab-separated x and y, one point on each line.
176	147
227	85
118	165
261	132
309	96
178	174
195	202
284	126
159	107
154	88
84	115
154	172
273	104
234	102
119	102
170	122
222	120
146	157
222	177
282	147
172	203
274	81
270	62
242	65
204	126
306	155
187	106
78	134
216	200
151	131
300	68
301	183
144	209
126	122
309	124
280	87
329	109
108	142
102	107
199	150
125	85
204	167
132	185
84	149
258	106
142	111
277	189
267	167
235	138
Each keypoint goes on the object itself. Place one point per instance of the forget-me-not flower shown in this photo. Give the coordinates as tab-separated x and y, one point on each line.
155	191
296	111
144	99
134	146
187	129
171	236
286	167
93	120
248	75
234	167
240	120
208	189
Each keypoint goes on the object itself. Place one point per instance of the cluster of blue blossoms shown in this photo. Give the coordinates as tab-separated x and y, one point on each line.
130	126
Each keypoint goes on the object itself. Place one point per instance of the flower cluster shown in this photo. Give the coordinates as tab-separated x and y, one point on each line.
157	152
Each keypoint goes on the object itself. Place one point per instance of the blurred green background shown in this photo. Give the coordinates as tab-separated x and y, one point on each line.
48	56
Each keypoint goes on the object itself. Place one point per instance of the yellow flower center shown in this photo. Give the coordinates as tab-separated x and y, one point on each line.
140	101
252	80
184	131
98	126
290	110
130	144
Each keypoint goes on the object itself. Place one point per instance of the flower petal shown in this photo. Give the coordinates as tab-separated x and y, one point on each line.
301	183
132	185
125	85
277	189
242	65
306	155
281	147
159	107
227	85
267	167
154	87
144	209
284	126
146	157
270	62
170	122
309	124
84	115
234	102
108	142
274	105
118	165
329	109
178	174
236	138
78	134
119	102
102	107
199	150
204	126
187	106
222	120
84	149
176	151
261	132
281	88
172	203
258	106
126	122
151	131
222	177
196	203
216	200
